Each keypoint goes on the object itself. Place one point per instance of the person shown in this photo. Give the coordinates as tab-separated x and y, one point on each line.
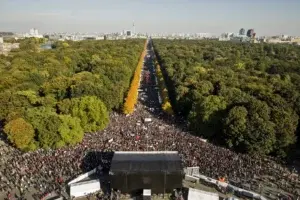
9	196
222	179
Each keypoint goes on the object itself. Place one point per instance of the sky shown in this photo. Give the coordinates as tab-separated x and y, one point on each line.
266	17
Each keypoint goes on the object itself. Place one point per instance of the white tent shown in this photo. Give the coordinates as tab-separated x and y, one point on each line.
195	194
83	176
84	188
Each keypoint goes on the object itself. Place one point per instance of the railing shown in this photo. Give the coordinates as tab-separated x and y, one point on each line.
193	173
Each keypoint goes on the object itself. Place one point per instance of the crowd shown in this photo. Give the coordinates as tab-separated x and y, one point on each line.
44	171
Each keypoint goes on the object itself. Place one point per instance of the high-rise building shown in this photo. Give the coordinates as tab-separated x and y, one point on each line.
32	31
128	33
250	32
242	31
36	32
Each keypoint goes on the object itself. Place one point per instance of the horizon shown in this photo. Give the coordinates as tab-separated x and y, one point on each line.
169	16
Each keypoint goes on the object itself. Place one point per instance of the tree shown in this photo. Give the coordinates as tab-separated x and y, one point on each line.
70	130
205	87
5	107
46	124
286	121
258	83
235	124
57	87
260	134
40	86
91	111
53	130
64	106
206	115
20	133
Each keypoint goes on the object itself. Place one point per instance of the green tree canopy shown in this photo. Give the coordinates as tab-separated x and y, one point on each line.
70	130
235	124
255	89
91	111
20	133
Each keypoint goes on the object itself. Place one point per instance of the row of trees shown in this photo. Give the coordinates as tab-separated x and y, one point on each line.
132	95
51	98
245	96
166	105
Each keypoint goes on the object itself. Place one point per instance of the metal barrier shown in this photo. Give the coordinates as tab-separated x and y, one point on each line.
194	172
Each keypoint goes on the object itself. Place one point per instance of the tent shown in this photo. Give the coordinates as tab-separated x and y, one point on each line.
160	171
194	194
84	188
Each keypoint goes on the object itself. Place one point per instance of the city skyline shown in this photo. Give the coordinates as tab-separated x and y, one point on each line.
167	16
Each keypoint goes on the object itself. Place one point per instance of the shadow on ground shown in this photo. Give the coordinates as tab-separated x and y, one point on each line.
94	159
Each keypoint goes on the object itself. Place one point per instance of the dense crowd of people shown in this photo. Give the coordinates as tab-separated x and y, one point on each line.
44	171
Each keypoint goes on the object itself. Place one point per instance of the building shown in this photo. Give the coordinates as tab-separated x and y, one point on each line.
295	40
84	188
33	33
100	38
6	34
158	171
226	36
284	37
128	33
194	194
239	38
1	40
136	173
250	33
242	31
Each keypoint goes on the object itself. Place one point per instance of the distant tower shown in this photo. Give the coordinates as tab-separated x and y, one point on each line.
242	31
133	29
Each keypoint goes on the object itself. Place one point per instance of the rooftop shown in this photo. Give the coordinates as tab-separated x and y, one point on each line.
146	161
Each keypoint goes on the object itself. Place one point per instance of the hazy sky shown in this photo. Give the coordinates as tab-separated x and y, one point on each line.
267	17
